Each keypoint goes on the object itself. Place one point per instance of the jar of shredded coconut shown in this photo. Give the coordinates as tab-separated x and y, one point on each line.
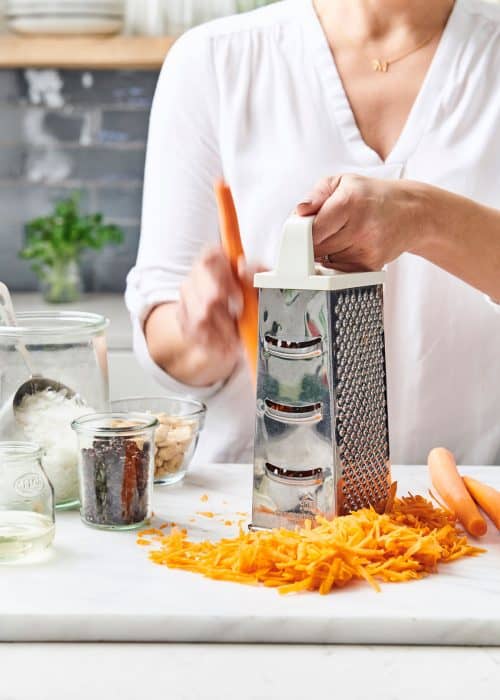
68	347
45	418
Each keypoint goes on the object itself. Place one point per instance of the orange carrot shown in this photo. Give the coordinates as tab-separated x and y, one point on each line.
403	545
486	497
448	483
231	242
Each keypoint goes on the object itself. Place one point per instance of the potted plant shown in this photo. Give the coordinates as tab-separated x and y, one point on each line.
56	242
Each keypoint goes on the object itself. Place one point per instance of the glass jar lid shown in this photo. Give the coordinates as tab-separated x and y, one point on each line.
65	325
114	424
14	450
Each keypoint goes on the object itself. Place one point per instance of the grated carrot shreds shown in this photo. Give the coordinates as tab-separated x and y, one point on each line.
150	531
204	498
143	543
228	523
205	513
403	545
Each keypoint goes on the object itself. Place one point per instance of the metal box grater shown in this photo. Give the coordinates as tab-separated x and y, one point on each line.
322	438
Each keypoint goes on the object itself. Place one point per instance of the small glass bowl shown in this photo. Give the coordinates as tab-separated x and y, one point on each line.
180	423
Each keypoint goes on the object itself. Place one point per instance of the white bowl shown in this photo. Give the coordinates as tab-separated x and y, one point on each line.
76	25
115	6
65	16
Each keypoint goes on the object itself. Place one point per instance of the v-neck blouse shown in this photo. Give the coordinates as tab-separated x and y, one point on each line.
423	109
256	98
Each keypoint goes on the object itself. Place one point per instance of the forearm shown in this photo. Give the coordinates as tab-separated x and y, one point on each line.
460	236
180	357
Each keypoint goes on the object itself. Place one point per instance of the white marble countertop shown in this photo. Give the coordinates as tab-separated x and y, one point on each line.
100	586
85	571
110	305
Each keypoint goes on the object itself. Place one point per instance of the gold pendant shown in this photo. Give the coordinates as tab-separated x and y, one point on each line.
380	66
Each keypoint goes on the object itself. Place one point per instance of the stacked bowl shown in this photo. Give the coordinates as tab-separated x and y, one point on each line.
63	17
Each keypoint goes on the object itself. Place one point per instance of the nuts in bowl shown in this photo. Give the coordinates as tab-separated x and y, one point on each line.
180	424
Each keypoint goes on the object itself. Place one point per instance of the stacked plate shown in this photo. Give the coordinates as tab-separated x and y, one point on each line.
96	17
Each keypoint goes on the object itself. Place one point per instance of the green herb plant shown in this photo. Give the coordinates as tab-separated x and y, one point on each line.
56	242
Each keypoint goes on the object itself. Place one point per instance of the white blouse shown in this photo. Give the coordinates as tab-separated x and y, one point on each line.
257	98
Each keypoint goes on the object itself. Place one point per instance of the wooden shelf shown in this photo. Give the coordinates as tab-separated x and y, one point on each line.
88	53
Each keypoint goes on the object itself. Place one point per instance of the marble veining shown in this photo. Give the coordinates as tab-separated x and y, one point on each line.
101	586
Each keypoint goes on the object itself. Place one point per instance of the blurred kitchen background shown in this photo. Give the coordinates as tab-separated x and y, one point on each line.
77	79
74	112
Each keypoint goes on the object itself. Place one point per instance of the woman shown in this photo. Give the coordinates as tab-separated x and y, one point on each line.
398	101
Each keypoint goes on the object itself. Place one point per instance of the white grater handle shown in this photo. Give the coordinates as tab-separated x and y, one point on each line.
296	268
296	258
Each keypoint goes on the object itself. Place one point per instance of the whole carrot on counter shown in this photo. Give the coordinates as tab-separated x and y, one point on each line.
449	485
486	497
231	242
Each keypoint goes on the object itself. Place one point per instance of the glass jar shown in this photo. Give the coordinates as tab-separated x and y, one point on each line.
67	347
116	468
61	283
26	502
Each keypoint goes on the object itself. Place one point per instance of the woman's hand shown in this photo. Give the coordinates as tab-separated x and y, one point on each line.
196	339
363	223
210	302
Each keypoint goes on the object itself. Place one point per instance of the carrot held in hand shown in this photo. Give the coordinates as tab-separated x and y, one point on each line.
486	497
231	242
449	485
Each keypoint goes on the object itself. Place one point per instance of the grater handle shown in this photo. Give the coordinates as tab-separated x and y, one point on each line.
296	268
296	258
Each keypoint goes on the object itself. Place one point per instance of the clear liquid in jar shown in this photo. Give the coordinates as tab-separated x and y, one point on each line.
24	534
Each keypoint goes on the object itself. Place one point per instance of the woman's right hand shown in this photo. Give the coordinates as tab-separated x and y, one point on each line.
209	305
202	345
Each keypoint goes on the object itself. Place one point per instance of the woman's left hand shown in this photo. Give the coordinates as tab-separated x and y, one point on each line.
363	223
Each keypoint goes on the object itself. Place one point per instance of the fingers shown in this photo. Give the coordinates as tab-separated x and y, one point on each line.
211	298
336	243
320	193
347	262
215	280
353	258
333	216
329	201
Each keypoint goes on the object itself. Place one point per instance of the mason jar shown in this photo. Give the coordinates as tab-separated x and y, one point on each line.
26	502
116	469
67	347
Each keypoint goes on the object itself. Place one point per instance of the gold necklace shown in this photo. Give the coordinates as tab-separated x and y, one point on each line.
380	66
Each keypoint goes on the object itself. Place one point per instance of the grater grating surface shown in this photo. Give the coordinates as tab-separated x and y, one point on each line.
362	433
321	431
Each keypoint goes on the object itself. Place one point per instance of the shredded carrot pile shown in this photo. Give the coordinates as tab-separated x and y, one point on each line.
406	544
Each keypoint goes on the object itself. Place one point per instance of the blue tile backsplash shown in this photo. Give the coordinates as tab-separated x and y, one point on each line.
62	131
